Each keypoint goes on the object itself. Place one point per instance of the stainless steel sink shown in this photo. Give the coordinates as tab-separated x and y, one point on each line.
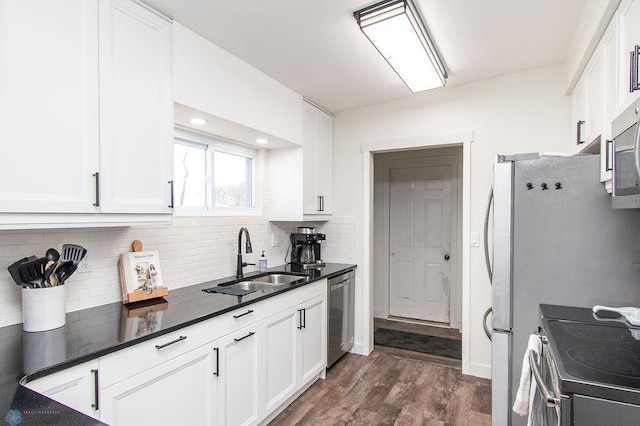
250	285
278	279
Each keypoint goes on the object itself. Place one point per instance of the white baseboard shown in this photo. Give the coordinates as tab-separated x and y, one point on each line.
358	348
478	370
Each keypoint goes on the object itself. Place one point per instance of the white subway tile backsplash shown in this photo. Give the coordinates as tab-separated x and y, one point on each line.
193	250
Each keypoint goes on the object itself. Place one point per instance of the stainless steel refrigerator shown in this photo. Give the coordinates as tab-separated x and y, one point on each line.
556	240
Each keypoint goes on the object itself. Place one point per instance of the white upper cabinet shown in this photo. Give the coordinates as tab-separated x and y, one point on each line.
48	105
136	110
611	77
587	104
317	164
629	26
86	114
300	179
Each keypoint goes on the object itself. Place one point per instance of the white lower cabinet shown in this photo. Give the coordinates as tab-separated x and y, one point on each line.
313	338
179	391
296	349
281	357
235	369
238	378
75	387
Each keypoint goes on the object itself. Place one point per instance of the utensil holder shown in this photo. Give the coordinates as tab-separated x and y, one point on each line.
43	308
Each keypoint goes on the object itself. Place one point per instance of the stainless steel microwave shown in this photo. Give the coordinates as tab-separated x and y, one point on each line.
626	159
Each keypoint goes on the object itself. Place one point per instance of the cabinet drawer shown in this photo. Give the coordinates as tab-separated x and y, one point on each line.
291	298
130	361
241	317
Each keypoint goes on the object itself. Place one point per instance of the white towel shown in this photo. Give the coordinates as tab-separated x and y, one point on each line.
527	387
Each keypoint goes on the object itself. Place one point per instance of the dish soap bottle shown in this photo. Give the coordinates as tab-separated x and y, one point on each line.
262	263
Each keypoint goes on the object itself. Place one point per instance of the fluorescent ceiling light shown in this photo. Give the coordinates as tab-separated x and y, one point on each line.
262	141
395	28
198	121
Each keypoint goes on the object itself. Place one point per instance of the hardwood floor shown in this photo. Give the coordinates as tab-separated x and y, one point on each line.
393	387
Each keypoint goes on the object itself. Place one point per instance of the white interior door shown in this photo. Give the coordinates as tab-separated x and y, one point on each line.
420	220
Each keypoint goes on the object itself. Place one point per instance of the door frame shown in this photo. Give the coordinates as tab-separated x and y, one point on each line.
380	276
464	138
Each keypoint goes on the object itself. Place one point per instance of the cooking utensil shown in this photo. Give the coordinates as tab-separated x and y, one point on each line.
14	270
48	271
64	271
631	314
52	255
73	252
33	271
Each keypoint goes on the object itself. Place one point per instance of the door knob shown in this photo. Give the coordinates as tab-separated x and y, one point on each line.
446	257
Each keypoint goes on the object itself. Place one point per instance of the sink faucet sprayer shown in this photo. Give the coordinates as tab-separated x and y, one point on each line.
248	250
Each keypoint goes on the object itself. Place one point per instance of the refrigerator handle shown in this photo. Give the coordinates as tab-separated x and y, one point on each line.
487	330
486	236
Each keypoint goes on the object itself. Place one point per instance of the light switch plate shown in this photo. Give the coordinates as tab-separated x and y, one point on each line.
474	239
275	240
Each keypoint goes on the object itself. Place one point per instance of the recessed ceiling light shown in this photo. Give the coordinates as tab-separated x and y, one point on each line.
262	141
198	121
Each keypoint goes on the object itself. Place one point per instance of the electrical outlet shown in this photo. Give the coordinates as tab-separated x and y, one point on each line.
275	240
84	265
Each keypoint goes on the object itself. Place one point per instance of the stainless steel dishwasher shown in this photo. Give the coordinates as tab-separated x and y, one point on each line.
340	315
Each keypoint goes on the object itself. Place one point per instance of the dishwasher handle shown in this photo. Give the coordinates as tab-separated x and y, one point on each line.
339	284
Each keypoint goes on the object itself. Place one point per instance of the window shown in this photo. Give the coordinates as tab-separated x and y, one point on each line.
213	175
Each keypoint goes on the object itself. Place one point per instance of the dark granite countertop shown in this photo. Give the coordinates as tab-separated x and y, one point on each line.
94	332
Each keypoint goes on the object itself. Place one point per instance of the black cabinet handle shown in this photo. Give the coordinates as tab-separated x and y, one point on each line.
179	339
171	185
608	151
217	372
579	125
250	311
300	318
304	318
97	176
322	203
633	69
242	338
96	396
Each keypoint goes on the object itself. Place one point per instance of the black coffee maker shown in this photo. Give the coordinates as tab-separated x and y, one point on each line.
305	248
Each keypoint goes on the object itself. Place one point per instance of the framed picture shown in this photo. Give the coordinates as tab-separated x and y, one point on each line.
141	276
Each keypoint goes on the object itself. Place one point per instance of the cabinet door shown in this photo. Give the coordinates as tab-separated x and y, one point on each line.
610	100
324	153
310	161
594	84
48	105
579	99
317	160
281	357
177	392
74	387
313	338
136	110
629	25
238	383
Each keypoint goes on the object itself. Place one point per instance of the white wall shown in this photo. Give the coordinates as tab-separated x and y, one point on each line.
524	112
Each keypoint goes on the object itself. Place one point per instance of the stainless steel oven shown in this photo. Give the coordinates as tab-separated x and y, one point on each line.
589	372
549	406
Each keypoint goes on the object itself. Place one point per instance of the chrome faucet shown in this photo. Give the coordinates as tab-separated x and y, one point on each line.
247	249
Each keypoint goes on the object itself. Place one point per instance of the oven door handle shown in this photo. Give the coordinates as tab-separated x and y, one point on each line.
549	399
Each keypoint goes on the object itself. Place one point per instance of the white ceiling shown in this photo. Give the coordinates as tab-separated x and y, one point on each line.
316	48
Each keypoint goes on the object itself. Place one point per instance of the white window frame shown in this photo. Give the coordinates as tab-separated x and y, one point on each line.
215	143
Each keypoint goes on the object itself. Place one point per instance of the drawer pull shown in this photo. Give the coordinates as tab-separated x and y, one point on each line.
217	372
250	311
242	338
179	339
96	396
